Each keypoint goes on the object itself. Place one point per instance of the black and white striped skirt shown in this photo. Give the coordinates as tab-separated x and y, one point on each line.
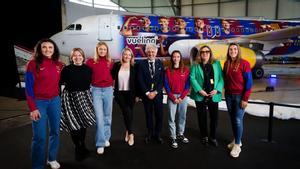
77	110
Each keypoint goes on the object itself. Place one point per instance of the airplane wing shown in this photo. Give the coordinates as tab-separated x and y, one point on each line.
275	35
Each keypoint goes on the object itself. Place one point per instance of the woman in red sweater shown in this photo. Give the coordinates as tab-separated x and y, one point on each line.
238	83
177	85
42	93
102	93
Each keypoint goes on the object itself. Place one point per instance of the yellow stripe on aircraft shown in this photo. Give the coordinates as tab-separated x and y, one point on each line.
220	50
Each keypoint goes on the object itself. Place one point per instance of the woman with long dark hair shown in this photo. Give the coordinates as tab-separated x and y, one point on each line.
42	93
177	85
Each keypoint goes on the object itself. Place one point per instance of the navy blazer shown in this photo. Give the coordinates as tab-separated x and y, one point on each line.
144	77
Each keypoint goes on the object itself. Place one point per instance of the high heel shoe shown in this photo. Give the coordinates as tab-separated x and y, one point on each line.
131	140
126	137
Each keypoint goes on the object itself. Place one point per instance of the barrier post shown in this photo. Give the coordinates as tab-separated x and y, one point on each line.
270	128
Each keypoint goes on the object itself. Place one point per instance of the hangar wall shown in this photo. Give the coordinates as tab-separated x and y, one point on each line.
270	9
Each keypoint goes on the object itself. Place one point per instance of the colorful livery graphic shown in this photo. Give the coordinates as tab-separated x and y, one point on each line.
258	38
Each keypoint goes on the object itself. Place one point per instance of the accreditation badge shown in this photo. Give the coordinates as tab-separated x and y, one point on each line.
152	86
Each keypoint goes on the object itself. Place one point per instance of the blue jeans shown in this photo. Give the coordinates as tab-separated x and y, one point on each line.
50	111
181	116
236	113
102	101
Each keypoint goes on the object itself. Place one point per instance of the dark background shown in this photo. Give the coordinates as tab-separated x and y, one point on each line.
26	23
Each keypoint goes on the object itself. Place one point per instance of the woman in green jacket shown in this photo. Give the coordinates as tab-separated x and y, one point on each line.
206	89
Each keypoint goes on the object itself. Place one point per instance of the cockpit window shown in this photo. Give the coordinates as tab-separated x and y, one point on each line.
70	27
78	27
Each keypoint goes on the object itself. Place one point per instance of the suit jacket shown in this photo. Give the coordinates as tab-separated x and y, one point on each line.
145	80
132	79
197	80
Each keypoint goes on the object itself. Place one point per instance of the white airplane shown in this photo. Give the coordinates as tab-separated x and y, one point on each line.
258	38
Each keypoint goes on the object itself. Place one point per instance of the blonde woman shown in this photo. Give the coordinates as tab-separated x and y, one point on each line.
102	92
77	106
123	73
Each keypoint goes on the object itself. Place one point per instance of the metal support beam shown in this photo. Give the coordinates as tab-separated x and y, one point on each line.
246	7
173	6
178	3
192	6
276	9
219	8
152	4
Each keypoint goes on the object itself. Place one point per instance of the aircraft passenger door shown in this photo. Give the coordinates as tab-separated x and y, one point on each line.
104	31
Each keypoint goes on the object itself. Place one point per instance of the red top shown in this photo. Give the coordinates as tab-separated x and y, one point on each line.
44	83
177	82
238	79
101	76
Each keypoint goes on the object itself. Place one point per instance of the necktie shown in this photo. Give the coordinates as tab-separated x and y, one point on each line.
152	69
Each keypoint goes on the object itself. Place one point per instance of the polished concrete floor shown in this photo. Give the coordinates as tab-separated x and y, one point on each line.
282	151
15	134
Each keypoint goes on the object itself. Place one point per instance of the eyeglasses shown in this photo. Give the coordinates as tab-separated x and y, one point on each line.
204	51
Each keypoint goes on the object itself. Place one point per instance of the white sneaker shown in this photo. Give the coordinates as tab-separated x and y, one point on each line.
235	152
107	144
100	150
53	164
230	145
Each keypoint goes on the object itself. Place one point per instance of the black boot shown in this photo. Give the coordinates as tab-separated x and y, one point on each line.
79	156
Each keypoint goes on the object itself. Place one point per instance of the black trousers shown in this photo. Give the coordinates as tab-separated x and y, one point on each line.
78	137
154	106
126	103
213	109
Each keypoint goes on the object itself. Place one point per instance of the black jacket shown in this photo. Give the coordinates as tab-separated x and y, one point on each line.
132	79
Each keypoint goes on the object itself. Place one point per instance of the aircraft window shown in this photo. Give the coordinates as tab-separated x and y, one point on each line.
156	28
138	28
78	27
237	29
232	30
70	27
189	29
119	27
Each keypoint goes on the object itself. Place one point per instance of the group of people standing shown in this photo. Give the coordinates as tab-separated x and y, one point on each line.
90	86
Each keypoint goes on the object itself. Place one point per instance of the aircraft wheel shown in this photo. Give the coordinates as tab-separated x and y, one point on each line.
258	73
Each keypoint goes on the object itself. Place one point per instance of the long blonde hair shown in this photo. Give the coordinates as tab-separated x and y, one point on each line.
131	53
211	56
96	56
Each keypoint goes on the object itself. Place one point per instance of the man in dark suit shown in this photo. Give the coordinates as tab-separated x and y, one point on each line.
150	77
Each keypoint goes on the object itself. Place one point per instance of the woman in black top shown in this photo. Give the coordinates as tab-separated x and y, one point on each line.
77	107
123	73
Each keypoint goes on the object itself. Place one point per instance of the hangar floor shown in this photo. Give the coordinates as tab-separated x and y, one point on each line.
282	152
